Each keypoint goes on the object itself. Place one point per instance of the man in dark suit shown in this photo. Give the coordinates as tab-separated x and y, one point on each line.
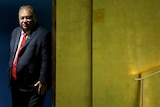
29	63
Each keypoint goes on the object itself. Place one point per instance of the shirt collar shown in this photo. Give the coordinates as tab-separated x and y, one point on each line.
26	32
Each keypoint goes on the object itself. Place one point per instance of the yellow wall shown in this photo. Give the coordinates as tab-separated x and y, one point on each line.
73	48
124	36
125	44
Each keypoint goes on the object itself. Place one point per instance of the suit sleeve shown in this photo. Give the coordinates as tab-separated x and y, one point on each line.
45	72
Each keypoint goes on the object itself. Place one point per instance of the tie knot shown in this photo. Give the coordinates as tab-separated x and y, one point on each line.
24	34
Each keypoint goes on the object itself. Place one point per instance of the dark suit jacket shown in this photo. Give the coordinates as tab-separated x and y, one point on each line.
34	62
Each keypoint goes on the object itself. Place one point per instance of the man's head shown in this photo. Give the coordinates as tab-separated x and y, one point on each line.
27	18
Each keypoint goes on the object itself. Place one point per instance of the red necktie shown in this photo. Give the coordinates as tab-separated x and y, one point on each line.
16	56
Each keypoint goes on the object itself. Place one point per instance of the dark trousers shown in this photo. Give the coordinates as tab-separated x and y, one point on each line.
21	98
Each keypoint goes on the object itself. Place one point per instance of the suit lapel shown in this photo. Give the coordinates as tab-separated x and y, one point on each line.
28	39
17	41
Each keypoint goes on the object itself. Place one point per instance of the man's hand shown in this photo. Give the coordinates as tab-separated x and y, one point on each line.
42	88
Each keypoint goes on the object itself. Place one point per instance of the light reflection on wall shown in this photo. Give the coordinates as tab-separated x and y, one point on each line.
134	70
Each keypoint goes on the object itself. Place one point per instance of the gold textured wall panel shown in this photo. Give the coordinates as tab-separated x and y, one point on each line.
125	45
73	61
126	37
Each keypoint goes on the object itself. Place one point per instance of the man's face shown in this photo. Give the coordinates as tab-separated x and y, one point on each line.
26	19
